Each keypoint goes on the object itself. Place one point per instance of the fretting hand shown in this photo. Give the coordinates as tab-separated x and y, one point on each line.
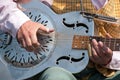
101	54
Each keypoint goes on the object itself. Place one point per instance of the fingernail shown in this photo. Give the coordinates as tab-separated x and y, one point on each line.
48	29
100	42
93	40
51	30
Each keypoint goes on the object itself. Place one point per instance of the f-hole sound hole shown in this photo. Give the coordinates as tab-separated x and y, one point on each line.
70	59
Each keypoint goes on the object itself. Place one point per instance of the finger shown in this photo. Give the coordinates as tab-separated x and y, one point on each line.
102	51
22	42
34	41
23	45
28	43
92	59
94	54
51	30
43	28
105	50
108	52
30	48
95	45
102	46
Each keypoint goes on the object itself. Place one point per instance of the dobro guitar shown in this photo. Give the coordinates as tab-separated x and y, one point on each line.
66	47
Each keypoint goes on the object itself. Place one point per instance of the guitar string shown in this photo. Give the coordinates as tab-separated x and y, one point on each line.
82	36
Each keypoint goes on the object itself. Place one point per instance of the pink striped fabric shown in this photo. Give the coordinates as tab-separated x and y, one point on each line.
99	3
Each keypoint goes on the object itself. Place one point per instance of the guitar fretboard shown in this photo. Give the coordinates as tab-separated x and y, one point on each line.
81	42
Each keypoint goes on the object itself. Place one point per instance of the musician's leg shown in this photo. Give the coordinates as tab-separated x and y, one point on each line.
98	76
56	73
115	77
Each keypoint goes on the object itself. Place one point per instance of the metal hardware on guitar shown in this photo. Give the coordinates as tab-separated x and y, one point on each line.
97	16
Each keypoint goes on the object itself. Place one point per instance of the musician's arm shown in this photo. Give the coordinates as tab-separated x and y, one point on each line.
11	18
115	62
99	3
47	2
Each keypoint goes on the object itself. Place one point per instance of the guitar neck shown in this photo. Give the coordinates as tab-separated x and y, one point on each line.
82	42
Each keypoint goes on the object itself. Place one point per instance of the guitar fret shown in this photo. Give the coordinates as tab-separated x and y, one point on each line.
104	42
107	44
117	45
117	48
114	44
81	42
109	40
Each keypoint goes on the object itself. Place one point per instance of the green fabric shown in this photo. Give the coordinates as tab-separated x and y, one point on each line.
95	75
98	76
56	73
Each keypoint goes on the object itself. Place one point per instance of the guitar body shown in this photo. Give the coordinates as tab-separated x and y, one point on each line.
56	49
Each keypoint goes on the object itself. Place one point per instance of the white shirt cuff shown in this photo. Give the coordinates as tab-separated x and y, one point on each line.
115	62
15	21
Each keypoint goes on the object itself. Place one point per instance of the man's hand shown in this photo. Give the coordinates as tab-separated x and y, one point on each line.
27	35
100	53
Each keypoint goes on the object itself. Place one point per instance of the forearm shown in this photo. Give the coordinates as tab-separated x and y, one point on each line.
11	18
